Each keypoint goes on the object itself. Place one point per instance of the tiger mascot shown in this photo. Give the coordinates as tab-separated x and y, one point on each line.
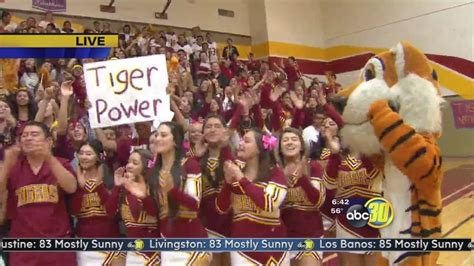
393	115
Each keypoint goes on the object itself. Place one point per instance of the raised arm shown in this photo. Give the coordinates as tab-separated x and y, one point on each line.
313	185
110	145
66	92
179	116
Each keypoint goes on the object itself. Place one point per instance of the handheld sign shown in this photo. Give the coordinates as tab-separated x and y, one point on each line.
128	91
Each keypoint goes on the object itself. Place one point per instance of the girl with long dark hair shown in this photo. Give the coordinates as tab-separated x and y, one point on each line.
180	192
134	198
212	165
23	108
88	204
306	193
254	190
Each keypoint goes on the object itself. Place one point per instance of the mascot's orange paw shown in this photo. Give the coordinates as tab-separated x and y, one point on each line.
377	107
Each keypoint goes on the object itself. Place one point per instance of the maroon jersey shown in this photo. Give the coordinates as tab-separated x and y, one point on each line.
37	208
88	205
305	196
353	179
256	210
214	222
187	196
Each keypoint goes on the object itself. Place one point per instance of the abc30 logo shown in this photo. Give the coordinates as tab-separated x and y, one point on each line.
376	212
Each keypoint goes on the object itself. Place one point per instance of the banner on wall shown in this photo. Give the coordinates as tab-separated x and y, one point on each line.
463	112
50	5
128	91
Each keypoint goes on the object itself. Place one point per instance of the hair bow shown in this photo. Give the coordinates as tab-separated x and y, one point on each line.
186	145
269	142
102	156
151	163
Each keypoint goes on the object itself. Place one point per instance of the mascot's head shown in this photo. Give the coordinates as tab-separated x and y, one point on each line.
403	76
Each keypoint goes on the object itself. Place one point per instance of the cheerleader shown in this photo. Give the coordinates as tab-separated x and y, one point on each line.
354	180
306	192
179	186
134	198
254	192
212	165
88	206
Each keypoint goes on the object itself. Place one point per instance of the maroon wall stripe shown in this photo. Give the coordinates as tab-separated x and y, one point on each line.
457	64
356	62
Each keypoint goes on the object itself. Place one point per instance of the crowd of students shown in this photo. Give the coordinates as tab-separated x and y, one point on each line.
252	152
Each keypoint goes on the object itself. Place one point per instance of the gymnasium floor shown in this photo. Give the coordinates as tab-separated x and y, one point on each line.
458	210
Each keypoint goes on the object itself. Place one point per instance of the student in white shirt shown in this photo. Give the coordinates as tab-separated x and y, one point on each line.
197	47
7	24
311	133
48	18
213	52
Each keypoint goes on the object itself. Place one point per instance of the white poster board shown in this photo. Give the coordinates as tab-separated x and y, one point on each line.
128	91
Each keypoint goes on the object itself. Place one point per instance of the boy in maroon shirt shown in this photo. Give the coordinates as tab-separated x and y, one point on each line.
37	182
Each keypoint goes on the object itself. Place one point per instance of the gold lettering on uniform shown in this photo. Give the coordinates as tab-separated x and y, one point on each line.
30	196
296	195
126	213
242	203
353	178
37	193
91	200
53	193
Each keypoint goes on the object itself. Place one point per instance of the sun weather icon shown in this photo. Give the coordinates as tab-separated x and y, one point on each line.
139	244
308	244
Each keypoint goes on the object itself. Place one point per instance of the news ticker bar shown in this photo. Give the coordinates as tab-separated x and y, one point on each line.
58	40
234	244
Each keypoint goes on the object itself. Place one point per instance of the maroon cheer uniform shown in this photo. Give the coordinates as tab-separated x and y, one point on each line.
88	205
301	207
355	180
256	214
188	196
300	211
140	218
217	224
186	224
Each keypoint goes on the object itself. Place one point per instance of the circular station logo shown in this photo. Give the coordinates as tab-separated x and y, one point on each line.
376	212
